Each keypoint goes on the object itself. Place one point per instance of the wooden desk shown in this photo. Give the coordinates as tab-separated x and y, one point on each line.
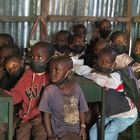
93	93
6	112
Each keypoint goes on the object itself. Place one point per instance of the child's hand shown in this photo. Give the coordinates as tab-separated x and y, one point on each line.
83	133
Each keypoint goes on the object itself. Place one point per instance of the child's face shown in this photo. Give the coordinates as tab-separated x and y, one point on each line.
78	40
58	71
61	43
77	46
121	39
61	39
13	65
39	59
99	47
105	29
137	48
120	44
39	54
104	62
4	53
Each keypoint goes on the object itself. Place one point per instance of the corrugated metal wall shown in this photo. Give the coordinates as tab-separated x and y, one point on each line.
100	8
19	30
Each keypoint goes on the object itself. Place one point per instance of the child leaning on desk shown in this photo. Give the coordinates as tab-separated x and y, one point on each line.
120	112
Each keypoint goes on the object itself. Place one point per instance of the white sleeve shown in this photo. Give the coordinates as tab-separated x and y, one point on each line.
104	81
81	69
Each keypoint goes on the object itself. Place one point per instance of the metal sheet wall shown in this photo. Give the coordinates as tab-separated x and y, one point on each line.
100	8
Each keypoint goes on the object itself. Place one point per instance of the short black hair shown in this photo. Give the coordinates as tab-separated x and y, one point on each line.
8	37
63	59
17	56
104	20
48	46
79	26
13	47
63	32
110	52
116	34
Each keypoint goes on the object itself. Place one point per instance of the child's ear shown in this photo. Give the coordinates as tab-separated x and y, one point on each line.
68	73
114	66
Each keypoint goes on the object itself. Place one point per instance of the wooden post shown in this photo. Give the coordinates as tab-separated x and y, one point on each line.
44	8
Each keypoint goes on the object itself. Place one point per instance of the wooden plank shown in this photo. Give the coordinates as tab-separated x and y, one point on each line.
17	18
55	18
84	18
44	8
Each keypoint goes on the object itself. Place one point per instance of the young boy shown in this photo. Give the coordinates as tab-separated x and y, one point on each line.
61	42
28	91
63	103
120	44
120	112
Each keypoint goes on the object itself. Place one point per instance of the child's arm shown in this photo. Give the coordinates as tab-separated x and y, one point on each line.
111	81
82	69
47	125
82	125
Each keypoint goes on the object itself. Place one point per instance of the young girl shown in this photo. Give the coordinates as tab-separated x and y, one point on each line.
63	103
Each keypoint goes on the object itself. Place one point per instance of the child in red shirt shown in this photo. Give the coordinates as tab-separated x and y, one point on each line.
28	91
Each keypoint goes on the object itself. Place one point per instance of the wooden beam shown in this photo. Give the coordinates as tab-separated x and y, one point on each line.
57	18
84	18
44	8
136	19
17	18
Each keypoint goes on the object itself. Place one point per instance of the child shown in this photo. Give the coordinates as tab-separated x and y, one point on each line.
105	29
61	42
6	51
120	44
136	57
15	67
120	112
63	103
6	39
80	29
100	44
28	91
77	48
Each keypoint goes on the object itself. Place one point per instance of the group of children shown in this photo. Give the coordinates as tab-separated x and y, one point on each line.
52	106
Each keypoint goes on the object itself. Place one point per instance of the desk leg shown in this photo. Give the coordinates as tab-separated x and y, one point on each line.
10	120
101	133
